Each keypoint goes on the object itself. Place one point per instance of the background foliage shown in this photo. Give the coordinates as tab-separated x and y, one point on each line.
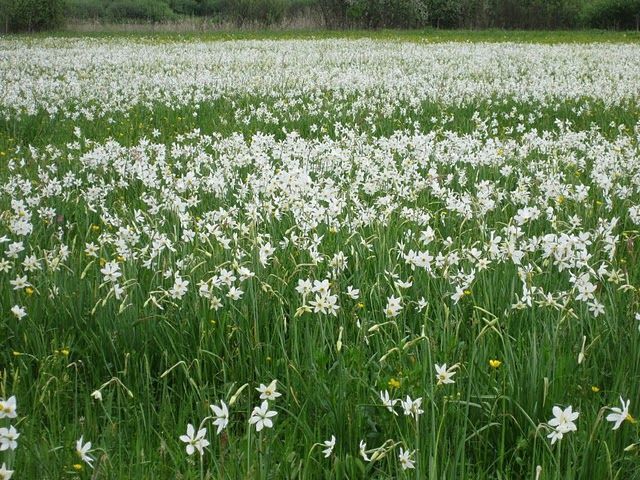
31	15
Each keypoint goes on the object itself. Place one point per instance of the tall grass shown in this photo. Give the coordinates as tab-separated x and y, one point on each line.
158	363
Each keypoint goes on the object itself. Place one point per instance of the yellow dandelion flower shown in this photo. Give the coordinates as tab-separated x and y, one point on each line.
393	383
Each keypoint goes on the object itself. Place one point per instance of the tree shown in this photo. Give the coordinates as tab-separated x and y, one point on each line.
31	15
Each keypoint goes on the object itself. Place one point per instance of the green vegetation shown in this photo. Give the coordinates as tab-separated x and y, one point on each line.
33	15
219	116
161	258
415	35
619	14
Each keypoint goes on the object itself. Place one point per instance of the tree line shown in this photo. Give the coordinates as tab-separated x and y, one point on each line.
33	15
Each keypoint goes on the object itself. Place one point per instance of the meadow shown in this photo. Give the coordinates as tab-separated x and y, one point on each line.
327	256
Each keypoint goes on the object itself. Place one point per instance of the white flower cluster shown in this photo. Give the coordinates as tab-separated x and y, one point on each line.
352	231
563	420
88	78
8	436
261	417
319	188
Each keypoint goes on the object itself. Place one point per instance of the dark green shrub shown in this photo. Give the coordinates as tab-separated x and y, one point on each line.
85	9
146	10
387	13
209	8
620	14
444	13
185	7
334	12
243	12
31	15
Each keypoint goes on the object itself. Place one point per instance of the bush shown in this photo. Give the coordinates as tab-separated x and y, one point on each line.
388	13
444	13
265	12
620	14
31	15
185	7
85	9
209	8
147	10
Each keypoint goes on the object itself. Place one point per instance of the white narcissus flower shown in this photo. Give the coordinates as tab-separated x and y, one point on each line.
402	284
268	392
91	250
329	445
443	375
563	422
564	419
304	287
354	293
180	288
555	436
619	415
406	462
8	407
245	273
20	282
363	451
387	402
221	415
8	437
393	308
412	407
235	293
83	450
111	271
422	304
261	416
195	441
321	287
19	312
266	251
5	474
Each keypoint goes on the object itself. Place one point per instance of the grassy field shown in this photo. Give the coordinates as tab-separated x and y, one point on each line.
426	35
420	249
